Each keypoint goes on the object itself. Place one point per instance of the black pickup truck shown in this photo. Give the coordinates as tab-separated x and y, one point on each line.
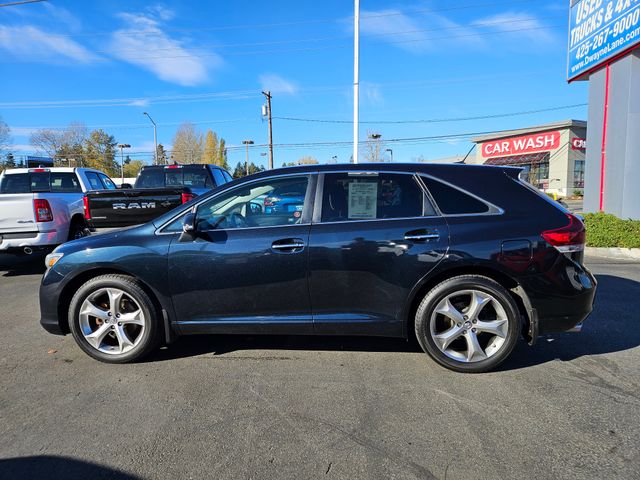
158	189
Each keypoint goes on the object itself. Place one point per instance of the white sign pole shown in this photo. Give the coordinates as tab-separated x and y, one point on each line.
356	75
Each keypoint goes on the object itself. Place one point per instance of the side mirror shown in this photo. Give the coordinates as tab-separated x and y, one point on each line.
126	185
189	223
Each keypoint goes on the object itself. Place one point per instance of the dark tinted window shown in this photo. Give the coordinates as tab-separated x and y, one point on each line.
150	178
40	182
453	201
94	181
64	182
366	197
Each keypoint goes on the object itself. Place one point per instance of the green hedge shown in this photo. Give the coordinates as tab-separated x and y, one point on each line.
605	230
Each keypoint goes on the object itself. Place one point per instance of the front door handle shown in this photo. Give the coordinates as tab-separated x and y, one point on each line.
421	236
288	245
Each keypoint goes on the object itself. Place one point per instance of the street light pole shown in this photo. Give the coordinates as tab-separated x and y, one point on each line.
246	163
122	146
390	153
155	138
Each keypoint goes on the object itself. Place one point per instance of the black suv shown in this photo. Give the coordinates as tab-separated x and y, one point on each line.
466	258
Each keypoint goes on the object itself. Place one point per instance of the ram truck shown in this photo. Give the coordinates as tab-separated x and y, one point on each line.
158	189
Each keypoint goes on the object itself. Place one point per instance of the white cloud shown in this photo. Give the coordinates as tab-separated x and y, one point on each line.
371	93
31	43
155	51
277	84
517	24
390	24
62	15
142	102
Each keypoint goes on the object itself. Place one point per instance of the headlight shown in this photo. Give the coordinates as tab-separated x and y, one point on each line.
51	259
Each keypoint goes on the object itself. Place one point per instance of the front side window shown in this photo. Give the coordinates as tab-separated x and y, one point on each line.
356	196
267	203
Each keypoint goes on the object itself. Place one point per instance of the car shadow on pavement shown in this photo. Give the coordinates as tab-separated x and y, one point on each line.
612	327
53	467
17	265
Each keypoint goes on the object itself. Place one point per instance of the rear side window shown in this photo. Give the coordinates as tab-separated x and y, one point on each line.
369	197
452	201
218	177
94	181
107	182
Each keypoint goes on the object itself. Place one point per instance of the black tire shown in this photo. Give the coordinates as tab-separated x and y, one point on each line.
461	283
77	229
150	337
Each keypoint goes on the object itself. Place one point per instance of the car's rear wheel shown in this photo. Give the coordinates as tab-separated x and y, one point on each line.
77	229
468	323
113	319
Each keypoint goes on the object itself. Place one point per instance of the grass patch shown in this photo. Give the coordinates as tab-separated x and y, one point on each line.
605	230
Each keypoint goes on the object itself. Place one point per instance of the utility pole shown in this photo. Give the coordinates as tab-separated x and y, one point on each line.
122	146
246	163
155	138
356	77
268	112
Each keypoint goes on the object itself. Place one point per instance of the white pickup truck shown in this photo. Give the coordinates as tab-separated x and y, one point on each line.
44	207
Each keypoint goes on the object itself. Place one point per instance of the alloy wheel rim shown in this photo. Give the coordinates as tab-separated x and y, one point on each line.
112	321
469	326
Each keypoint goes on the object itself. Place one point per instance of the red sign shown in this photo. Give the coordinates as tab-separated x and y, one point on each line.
539	142
579	144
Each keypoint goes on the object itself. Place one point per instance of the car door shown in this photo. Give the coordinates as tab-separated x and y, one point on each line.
245	270
374	236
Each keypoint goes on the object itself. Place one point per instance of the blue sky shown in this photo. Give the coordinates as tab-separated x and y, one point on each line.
105	62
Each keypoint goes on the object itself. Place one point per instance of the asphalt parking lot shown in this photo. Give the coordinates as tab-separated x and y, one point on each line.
295	407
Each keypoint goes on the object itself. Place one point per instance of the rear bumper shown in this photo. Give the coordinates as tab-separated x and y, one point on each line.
14	241
563	298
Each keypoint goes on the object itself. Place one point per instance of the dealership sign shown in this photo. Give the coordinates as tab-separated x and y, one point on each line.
600	30
519	145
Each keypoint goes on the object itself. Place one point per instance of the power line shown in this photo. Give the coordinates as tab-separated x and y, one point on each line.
436	120
324	39
300	22
232	95
300	50
23	2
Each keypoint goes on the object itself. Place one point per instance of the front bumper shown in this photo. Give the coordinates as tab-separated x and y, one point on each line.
50	290
17	241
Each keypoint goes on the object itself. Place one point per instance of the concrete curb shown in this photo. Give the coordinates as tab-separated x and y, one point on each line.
616	253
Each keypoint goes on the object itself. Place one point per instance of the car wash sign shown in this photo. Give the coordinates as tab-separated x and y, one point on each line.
600	30
540	142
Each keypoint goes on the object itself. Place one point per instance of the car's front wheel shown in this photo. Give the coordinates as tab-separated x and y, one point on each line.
113	319
468	323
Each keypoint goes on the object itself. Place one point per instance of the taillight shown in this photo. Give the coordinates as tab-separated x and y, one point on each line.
570	238
43	210
187	197
86	209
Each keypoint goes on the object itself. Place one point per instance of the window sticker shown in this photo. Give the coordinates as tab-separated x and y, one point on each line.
362	200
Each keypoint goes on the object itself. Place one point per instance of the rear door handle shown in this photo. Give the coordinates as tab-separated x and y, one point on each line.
288	245
421	236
